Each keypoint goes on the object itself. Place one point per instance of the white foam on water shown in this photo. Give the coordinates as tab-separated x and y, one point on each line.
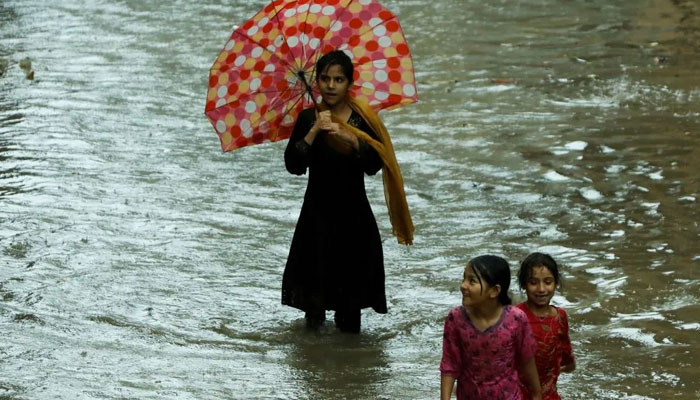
525	198
639	316
652	208
676	303
600	270
561	251
577	145
639	336
594	102
665	377
634	224
554	176
615	169
615	234
683	281
657	176
610	285
590	194
496	88
412	156
417	128
551	232
561	301
593	307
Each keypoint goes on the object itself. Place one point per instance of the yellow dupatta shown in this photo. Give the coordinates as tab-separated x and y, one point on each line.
394	194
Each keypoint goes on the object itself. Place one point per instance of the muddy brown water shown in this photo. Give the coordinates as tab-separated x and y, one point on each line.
138	261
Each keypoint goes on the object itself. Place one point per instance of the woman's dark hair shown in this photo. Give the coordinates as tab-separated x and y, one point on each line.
495	271
336	57
535	260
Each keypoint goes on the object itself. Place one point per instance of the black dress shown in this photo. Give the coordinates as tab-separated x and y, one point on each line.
335	261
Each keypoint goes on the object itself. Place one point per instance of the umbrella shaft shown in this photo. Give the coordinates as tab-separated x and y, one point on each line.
302	76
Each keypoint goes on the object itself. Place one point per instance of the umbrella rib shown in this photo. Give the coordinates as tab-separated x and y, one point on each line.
343	11
320	46
311	62
287	66
277	102
276	17
284	62
384	22
303	48
286	112
271	91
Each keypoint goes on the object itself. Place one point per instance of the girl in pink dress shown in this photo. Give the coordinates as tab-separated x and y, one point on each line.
486	340
539	277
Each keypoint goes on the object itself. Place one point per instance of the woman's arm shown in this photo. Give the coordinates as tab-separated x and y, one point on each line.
447	384
322	122
306	128
529	372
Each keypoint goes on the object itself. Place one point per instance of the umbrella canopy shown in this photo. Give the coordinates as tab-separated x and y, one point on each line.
265	74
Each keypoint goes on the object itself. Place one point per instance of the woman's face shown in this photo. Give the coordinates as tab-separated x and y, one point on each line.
334	85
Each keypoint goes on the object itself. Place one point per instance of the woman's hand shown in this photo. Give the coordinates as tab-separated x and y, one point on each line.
339	132
323	120
322	123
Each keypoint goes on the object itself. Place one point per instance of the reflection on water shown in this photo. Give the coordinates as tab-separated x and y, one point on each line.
137	261
332	365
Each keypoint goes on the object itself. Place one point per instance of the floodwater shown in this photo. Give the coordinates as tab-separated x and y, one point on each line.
139	261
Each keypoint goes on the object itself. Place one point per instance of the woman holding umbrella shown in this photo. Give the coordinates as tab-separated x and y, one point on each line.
335	261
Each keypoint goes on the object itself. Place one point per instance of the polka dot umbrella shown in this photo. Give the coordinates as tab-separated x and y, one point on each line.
265	74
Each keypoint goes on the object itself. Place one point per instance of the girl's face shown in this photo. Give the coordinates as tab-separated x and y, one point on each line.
333	85
475	291
540	286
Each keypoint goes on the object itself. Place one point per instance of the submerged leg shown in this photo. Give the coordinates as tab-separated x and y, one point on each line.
315	318
348	320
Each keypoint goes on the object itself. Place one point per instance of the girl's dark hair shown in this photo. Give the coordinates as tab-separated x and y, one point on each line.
336	57
535	260
495	271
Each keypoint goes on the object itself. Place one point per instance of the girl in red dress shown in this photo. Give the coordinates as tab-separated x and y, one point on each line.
539	277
